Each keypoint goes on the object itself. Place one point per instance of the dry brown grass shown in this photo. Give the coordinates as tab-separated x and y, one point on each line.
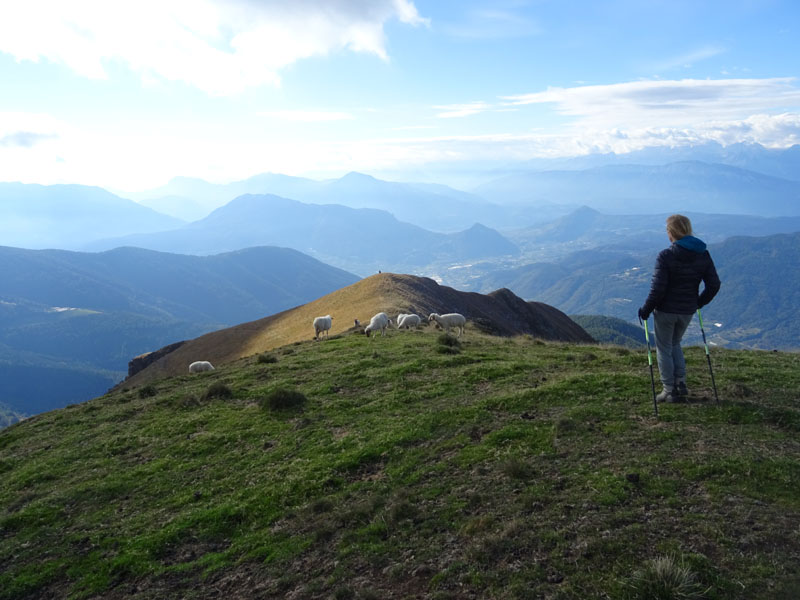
388	292
383	292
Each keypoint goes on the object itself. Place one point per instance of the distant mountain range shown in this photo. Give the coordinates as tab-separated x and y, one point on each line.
362	241
70	321
434	207
443	208
73	217
783	163
588	228
647	189
756	307
68	216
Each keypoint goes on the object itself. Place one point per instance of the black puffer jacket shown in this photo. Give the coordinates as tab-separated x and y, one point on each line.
676	279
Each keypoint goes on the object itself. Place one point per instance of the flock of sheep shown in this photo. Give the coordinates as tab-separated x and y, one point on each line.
380	322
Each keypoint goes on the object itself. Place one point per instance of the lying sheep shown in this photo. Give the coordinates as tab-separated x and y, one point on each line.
322	324
378	323
449	321
199	366
408	321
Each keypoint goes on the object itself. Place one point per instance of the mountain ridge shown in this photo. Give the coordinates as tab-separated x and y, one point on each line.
500	313
360	240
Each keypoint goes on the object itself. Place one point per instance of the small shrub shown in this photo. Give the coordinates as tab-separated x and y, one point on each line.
565	425
189	401
401	511
517	469
218	390
740	390
264	359
147	391
663	578
283	399
448	350
446	339
344	593
322	505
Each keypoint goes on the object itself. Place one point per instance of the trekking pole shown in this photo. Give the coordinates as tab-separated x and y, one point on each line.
708	356
650	362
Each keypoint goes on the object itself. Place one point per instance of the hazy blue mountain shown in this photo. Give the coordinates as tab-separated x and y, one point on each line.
647	189
431	206
587	228
426	206
197	198
442	208
777	162
180	207
359	240
756	307
71	321
69	216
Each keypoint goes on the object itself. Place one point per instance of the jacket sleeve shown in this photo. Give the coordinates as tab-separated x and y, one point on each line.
658	286
711	284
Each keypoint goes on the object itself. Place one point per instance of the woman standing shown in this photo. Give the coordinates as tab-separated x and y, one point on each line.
674	297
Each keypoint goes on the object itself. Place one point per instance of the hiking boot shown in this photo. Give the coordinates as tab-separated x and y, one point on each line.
683	391
667	395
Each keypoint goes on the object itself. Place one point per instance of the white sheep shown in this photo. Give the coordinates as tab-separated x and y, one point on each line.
411	321
199	366
449	321
322	324
378	323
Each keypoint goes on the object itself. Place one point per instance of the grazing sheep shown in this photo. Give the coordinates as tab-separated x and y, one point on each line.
378	323
199	366
322	324
408	321
449	321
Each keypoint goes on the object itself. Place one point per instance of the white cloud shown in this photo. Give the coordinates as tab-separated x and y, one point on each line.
463	110
687	59
683	103
24	139
219	46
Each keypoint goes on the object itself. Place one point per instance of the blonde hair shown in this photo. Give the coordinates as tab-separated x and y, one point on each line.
679	226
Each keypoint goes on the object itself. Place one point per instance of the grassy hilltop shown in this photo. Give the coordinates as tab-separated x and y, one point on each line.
412	467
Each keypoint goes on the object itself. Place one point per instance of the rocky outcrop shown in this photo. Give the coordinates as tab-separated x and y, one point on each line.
143	361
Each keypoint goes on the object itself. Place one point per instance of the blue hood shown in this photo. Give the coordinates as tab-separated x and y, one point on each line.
692	243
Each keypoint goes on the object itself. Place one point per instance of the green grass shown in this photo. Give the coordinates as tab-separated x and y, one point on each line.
383	468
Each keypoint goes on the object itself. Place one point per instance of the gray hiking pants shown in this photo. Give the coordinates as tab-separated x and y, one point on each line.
669	328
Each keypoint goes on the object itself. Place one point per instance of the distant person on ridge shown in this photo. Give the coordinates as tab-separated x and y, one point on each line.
674	297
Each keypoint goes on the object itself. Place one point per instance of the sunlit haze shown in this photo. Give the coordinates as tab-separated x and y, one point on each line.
127	95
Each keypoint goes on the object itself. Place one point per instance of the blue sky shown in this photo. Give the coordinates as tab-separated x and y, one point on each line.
127	95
